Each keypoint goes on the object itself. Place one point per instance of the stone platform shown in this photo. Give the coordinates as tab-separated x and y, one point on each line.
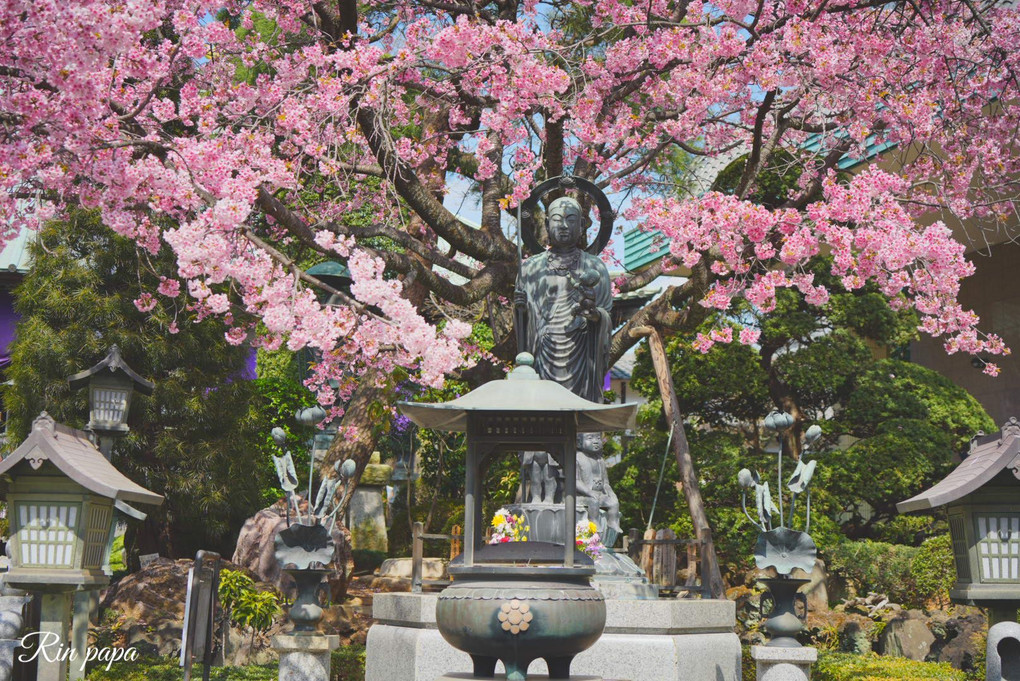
305	656
531	677
660	640
783	664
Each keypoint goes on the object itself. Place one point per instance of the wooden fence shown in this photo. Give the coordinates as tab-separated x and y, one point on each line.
418	537
656	553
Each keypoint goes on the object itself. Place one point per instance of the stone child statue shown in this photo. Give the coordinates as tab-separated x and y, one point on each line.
593	490
562	304
541	478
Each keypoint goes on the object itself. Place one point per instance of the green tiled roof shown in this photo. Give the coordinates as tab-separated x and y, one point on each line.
641	248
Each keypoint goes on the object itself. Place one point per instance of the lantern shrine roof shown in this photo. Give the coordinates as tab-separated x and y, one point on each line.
989	455
72	452
525	393
113	362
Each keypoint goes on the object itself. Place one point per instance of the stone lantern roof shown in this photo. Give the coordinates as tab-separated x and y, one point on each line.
989	456
521	393
75	456
113	362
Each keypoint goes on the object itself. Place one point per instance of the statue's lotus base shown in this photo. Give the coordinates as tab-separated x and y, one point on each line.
616	575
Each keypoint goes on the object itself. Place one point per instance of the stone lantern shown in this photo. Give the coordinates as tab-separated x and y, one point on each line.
520	601
61	494
982	499
111	383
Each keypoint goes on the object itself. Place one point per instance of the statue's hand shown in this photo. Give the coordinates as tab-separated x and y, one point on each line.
587	309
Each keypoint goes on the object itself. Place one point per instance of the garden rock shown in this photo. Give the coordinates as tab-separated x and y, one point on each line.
145	609
958	636
855	637
816	591
906	635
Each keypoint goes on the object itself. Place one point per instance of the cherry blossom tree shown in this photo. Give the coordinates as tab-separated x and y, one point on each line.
233	131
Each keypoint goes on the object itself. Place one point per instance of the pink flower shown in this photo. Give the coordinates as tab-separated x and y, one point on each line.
170	288
145	302
749	336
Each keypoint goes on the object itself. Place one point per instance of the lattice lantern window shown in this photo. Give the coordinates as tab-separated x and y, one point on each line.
53	534
998	542
46	533
61	495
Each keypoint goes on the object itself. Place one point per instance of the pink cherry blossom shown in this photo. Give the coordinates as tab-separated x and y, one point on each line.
238	134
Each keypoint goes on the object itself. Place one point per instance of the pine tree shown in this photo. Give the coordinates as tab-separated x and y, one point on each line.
197	440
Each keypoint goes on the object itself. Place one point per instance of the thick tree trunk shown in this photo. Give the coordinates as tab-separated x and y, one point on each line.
358	434
710	575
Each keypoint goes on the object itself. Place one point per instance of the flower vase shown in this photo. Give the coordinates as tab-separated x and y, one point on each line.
782	621
306	612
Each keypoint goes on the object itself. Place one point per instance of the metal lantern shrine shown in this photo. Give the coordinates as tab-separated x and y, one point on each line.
111	384
520	601
982	498
61	494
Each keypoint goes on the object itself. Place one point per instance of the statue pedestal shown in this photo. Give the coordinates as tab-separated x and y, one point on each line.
783	664
305	657
545	520
661	640
616	575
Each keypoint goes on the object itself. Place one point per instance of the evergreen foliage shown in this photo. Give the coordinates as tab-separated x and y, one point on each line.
897	426
196	439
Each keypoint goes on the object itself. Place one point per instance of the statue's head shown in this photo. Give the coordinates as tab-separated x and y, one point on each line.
591	442
563	223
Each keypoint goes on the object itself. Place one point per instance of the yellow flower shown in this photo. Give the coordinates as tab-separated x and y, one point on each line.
524	539
591	527
498	520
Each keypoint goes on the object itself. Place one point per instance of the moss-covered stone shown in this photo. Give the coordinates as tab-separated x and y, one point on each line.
376	474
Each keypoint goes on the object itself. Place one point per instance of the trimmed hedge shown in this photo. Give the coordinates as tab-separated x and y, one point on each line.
851	667
165	669
348	664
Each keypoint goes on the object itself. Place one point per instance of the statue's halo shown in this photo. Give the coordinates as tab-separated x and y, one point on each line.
529	209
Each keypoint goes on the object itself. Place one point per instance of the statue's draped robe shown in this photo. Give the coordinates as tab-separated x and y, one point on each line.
568	349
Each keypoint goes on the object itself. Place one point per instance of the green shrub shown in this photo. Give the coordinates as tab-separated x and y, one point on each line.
166	669
117	563
909	529
248	607
348	663
933	570
233	584
850	667
876	566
